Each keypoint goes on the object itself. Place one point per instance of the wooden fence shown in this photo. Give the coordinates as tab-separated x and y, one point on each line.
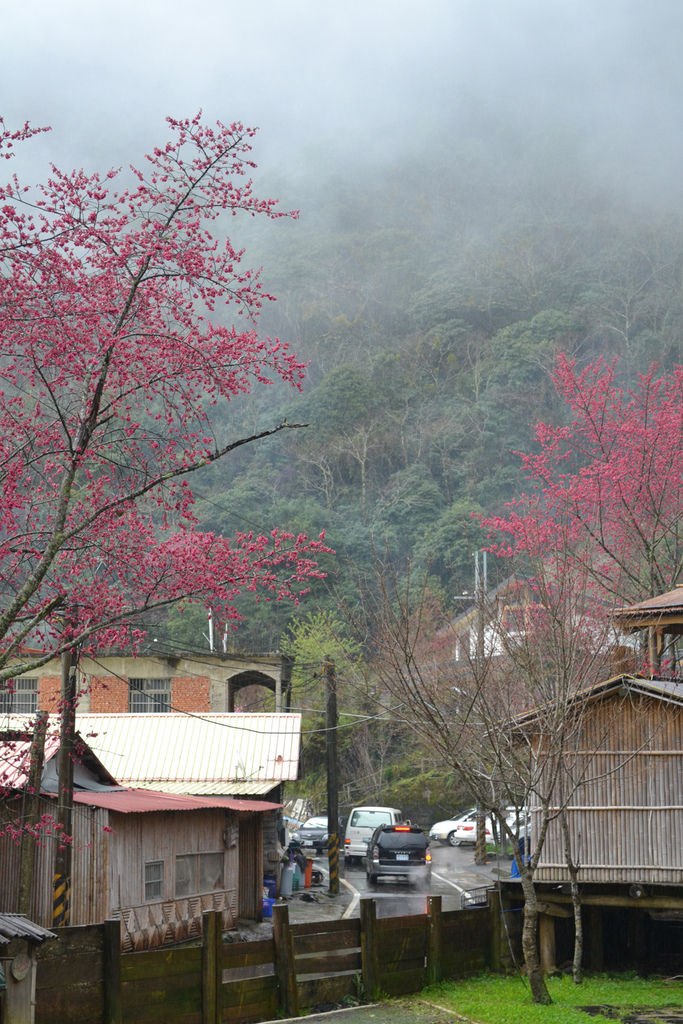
86	979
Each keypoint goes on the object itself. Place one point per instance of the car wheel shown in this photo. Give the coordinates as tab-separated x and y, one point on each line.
372	878
453	839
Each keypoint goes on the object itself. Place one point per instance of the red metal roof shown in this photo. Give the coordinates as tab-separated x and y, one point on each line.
128	801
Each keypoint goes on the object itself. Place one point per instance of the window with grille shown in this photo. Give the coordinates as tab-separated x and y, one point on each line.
154	880
150	695
198	872
19	696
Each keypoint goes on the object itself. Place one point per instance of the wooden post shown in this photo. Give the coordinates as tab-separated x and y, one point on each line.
285	964
111	956
31	806
368	944
495	911
546	931
211	968
61	905
332	784
434	940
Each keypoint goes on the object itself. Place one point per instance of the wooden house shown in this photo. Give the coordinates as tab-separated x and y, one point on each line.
153	860
625	818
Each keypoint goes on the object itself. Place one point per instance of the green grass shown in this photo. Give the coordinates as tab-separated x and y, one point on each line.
491	999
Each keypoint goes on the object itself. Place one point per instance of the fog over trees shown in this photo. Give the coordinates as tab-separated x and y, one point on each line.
482	185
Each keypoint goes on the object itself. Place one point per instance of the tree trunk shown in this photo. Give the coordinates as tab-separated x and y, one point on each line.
577	971
539	989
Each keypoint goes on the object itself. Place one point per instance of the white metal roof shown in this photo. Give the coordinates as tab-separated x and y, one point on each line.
200	753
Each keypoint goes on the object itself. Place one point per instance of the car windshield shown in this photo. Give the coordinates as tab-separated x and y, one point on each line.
402	840
315	823
370	819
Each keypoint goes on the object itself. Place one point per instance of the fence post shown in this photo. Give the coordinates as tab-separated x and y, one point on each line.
368	945
211	975
285	965
495	911
433	940
111	957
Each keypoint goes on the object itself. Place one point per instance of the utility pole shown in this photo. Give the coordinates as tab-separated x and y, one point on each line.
61	905
31	807
480	588
332	783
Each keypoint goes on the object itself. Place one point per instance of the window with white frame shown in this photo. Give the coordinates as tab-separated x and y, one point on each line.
154	880
150	695
19	696
198	872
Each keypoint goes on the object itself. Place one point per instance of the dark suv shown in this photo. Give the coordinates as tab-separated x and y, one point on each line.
399	851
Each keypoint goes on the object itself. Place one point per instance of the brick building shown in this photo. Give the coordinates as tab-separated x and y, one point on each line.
120	683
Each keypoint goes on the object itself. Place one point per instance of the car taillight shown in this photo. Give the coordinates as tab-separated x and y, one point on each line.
428	857
375	855
402	828
347	842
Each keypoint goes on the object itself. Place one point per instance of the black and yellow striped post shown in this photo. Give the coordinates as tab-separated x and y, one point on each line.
333	861
61	900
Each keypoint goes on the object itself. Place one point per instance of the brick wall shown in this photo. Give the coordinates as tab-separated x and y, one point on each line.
191	693
49	692
109	693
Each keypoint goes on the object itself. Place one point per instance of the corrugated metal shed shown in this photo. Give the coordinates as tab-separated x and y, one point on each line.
228	754
131	801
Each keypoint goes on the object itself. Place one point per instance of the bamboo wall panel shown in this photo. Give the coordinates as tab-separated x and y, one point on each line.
250	867
625	814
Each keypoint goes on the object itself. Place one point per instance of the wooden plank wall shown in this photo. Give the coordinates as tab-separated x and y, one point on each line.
162	985
240	980
401	952
328	961
70	977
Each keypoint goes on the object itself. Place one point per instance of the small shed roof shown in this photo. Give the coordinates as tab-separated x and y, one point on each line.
211	754
664	610
18	926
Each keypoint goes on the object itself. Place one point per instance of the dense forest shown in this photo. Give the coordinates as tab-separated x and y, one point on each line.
430	298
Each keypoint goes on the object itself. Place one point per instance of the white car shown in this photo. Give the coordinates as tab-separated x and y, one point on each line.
454	831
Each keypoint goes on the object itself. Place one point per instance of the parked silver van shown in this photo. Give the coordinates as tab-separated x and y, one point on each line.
361	824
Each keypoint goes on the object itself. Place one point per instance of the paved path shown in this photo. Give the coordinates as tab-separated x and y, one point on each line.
398	1011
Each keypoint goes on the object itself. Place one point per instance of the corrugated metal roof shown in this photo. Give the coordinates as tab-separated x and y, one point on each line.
15	760
132	801
18	926
230	753
232	789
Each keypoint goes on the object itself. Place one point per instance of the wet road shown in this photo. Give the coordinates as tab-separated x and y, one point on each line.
453	873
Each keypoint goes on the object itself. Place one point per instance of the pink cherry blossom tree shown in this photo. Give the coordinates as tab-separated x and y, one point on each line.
119	357
608	486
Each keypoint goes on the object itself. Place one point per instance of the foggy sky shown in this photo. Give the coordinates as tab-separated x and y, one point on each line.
362	80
